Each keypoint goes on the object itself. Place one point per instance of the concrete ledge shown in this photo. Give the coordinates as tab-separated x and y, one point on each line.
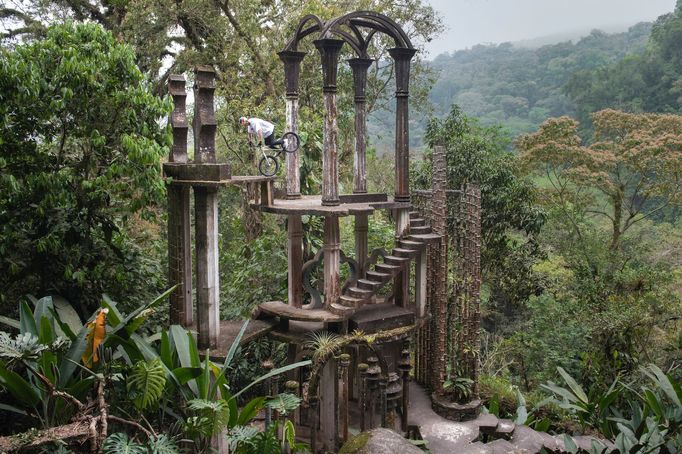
454	411
197	172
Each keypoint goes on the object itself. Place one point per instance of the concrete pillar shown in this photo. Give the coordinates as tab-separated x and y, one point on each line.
329	52
179	219
206	212
295	258
402	57
332	261
292	69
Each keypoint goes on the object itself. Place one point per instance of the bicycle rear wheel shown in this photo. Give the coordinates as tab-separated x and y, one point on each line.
268	166
290	142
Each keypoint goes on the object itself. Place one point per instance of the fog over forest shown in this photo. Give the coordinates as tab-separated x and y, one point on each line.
472	22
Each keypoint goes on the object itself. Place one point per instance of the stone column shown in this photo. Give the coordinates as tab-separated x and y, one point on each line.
344	363
360	66
292	69
295	258
179	219
332	261
206	212
329	52
402	57
439	310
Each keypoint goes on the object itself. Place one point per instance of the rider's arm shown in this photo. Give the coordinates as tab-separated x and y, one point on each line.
260	136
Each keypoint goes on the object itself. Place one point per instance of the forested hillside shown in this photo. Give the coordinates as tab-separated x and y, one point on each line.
519	87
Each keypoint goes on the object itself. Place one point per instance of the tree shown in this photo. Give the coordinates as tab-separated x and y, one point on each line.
630	172
80	151
510	218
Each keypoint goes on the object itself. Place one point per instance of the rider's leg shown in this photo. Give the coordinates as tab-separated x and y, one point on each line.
271	142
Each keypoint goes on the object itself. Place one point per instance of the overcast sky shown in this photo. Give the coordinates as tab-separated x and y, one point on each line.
472	22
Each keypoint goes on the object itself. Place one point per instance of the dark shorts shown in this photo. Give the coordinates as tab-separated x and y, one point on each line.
270	140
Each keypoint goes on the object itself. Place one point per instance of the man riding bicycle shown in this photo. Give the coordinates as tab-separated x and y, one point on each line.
262	130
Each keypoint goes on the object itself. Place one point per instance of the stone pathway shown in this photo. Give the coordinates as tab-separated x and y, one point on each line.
485	435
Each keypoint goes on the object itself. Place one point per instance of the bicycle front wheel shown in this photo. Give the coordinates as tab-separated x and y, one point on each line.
268	166
291	142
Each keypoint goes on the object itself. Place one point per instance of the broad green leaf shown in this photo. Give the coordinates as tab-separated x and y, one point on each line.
665	384
250	410
19	388
75	353
26	321
165	350
66	314
115	315
570	445
273	373
185	374
575	387
10	322
12	409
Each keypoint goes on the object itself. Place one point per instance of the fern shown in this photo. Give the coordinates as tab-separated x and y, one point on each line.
284	403
217	412
119	443
146	383
163	444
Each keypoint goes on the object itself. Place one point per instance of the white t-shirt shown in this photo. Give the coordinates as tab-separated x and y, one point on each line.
256	124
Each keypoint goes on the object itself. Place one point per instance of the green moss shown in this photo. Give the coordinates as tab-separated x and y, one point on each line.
355	444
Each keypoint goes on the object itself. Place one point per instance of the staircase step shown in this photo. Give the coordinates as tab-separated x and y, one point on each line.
377	276
386	268
415	214
340	310
414	245
407	253
358	292
425	237
417	222
420	230
371	285
351	301
393	260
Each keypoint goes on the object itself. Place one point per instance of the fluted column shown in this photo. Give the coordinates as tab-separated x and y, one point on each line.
292	69
332	261
179	219
359	66
329	53
402	57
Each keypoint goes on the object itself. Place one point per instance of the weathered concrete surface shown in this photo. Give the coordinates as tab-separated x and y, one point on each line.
442	436
379	441
502	435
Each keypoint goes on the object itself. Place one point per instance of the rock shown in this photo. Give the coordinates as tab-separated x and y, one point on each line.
527	440
379	441
505	429
476	448
486	423
501	447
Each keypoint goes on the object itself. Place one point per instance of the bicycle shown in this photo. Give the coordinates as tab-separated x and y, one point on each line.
268	165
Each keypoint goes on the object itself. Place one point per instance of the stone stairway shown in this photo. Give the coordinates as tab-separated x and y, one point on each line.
407	249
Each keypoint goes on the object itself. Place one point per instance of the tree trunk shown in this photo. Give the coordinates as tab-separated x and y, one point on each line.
617	219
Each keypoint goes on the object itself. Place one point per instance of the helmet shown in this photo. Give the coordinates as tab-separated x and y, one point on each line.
243	120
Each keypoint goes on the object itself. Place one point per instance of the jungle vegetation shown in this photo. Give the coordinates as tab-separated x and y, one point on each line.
576	147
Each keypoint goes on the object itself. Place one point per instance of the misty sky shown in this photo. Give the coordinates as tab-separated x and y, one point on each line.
472	22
